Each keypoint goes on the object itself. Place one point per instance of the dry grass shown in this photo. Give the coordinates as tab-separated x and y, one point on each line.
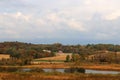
55	76
59	56
111	67
115	67
4	56
49	65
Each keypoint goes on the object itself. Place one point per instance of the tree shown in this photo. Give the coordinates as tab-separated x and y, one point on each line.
73	57
67	58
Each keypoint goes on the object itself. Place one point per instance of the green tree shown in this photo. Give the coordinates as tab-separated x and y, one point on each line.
73	57
67	58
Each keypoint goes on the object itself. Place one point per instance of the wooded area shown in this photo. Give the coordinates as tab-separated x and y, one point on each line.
22	53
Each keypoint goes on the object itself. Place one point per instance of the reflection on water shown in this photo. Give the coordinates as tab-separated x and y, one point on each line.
70	70
101	72
51	70
87	71
25	70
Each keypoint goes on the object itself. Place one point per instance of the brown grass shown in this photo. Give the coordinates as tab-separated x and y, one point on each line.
59	56
55	76
115	67
111	67
49	65
4	56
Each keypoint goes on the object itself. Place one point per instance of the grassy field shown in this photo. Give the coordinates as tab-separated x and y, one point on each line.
4	56
110	67
56	76
60	57
58	62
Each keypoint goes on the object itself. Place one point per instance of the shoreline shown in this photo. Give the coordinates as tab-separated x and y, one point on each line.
105	67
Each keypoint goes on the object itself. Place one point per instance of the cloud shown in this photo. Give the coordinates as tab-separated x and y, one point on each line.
113	16
108	10
43	19
73	24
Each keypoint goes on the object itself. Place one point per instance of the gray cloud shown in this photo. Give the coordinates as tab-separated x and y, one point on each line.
61	20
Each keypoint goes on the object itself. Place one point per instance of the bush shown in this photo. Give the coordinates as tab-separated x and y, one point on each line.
36	70
72	70
8	69
67	58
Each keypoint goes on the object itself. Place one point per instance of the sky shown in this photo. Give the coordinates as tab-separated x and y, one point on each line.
60	21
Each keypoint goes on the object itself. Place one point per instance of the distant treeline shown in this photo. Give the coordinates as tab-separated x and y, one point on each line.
23	53
37	50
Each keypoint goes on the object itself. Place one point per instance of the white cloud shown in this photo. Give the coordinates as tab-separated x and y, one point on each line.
49	19
73	24
109	9
113	16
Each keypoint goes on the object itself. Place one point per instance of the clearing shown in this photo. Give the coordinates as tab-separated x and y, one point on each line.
4	56
60	57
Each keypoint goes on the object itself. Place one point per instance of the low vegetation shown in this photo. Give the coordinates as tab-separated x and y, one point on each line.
91	56
24	53
56	76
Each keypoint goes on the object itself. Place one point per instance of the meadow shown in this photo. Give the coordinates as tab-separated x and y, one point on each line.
56	76
4	56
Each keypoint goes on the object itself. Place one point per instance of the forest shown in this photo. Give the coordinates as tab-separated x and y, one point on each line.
22	53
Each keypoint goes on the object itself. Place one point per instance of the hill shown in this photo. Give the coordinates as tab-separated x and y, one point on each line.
25	52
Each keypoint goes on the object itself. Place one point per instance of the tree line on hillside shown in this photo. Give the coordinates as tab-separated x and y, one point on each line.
23	53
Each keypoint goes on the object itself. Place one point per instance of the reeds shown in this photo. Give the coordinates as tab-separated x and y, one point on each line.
56	76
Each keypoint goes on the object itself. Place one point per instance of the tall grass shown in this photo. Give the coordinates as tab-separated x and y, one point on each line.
56	76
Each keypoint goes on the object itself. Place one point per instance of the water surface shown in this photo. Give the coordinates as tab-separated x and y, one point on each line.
87	71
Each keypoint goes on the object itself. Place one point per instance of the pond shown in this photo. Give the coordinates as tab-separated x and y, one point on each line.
87	71
62	70
101	72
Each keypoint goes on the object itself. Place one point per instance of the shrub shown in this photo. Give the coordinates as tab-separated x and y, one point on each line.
72	70
36	70
8	69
